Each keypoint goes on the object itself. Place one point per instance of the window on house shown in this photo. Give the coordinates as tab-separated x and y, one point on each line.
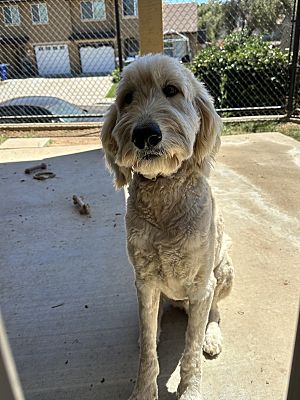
39	13
92	10
11	15
130	8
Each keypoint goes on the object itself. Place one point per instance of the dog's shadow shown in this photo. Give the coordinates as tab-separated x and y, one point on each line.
170	349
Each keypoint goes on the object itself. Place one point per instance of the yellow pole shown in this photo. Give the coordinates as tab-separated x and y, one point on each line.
150	26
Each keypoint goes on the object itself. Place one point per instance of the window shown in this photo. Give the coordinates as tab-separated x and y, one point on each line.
39	13
11	15
130	8
92	10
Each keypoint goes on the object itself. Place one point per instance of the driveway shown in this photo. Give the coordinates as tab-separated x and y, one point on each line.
67	292
82	91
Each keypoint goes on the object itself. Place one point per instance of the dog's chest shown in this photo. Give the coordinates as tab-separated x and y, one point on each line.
169	227
168	244
172	262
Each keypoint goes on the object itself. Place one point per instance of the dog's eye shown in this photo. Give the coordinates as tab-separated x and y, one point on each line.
170	91
128	98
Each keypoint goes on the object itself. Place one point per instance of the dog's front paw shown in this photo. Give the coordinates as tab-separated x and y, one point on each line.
149	393
213	341
190	394
141	397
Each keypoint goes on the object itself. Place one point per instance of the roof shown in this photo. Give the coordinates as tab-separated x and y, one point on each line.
181	17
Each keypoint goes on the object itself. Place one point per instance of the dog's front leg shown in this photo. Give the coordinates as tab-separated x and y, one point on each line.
146	385
191	362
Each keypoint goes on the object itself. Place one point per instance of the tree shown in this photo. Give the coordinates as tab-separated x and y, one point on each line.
224	17
210	18
262	16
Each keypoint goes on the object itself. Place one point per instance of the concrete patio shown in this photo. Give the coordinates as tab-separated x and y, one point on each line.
66	287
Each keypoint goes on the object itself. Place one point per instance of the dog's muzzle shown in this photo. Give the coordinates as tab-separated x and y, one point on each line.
146	136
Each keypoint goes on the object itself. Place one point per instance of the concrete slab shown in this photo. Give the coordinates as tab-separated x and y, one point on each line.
24	143
66	287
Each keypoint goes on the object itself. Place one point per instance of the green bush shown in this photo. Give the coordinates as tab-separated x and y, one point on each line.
245	72
116	75
207	67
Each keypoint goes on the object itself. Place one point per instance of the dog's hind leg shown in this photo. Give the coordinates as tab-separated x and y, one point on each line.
224	274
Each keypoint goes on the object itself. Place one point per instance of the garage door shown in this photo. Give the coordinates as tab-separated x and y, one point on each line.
53	59
97	60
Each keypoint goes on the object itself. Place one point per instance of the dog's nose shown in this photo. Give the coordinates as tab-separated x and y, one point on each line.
146	135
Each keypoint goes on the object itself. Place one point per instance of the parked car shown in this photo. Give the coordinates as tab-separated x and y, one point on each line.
35	106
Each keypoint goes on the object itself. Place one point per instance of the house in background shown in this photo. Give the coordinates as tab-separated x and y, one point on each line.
180	27
64	37
75	37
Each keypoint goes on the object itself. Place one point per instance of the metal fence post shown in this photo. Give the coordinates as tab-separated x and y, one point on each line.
294	64
118	35
294	385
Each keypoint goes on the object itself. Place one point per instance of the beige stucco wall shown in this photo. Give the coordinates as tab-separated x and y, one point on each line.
64	19
57	29
106	24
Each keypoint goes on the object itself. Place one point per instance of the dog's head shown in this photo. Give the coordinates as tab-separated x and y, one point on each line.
162	117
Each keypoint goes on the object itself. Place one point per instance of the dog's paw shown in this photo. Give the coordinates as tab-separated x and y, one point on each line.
141	397
213	340
149	393
190	395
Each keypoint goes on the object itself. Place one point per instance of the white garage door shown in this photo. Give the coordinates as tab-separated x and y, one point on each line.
53	59
97	60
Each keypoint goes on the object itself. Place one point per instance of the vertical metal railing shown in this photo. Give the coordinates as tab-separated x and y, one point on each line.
118	35
294	65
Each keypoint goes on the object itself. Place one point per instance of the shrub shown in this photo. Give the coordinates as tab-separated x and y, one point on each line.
207	67
116	75
245	72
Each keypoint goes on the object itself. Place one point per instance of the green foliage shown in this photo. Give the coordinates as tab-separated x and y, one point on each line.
209	18
116	75
260	15
223	17
112	91
245	72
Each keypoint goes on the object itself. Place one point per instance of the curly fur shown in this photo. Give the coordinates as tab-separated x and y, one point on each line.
175	234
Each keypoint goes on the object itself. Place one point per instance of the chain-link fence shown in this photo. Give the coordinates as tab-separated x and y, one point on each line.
293	106
58	58
246	65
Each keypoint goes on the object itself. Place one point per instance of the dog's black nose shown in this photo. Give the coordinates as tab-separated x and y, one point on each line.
146	135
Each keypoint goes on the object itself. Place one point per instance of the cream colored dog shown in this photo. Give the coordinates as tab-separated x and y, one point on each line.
160	137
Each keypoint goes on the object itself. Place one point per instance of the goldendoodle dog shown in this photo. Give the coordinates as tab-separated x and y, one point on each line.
160	138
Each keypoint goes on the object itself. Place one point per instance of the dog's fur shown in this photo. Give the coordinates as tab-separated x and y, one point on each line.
174	232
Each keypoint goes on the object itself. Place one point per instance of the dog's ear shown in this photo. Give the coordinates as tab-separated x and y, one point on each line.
208	140
122	174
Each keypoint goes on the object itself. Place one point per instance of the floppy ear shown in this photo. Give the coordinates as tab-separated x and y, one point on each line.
208	140
122	174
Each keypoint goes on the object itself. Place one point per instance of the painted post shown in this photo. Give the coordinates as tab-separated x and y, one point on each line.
150	26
